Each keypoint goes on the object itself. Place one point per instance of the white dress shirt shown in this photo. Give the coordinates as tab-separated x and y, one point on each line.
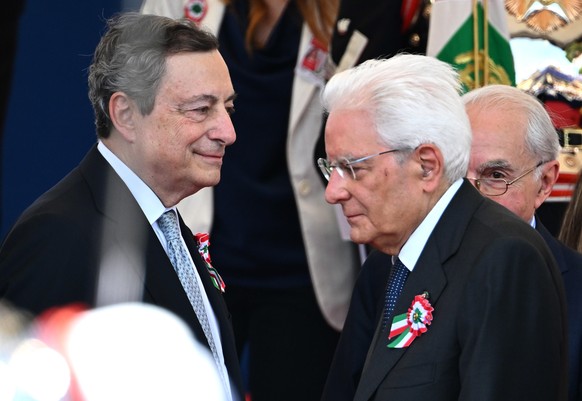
412	249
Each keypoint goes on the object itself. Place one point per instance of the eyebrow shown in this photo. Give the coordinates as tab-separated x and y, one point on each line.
212	99
494	164
340	160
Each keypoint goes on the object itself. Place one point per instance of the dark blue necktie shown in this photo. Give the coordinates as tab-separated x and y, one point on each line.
398	275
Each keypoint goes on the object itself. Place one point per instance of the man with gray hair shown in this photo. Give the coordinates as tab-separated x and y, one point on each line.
460	300
514	161
109	232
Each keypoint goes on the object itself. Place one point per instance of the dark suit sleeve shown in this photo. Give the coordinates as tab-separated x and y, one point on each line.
572	276
358	330
45	262
570	264
511	326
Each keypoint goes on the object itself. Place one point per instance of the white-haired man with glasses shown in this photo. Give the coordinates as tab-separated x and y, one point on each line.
460	300
514	162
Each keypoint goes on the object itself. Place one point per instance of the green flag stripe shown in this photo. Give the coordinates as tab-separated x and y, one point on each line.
459	52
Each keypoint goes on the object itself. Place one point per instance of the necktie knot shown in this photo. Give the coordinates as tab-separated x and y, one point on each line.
168	223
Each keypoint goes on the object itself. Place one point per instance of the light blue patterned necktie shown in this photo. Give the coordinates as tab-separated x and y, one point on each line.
398	275
180	259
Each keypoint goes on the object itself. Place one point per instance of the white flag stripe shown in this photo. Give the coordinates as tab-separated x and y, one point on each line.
447	16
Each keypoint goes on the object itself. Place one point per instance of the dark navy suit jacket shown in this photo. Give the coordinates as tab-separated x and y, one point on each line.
499	321
570	265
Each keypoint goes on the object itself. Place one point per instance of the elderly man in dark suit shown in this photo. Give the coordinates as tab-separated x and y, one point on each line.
514	161
461	300
109	231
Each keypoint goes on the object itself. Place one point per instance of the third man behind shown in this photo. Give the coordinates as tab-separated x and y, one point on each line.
514	162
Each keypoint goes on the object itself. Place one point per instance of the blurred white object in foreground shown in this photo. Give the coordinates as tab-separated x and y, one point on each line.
137	351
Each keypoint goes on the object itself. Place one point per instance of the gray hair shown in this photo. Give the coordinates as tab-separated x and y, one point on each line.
413	100
131	58
541	138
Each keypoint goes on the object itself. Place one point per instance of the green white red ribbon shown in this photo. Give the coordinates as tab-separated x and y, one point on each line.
203	240
195	10
407	326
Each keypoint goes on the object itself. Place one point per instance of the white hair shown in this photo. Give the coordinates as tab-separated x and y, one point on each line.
541	139
413	100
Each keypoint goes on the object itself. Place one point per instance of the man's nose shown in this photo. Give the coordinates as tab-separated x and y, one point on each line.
336	190
225	132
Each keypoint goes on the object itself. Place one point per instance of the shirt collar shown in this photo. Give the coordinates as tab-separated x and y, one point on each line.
148	201
533	221
412	249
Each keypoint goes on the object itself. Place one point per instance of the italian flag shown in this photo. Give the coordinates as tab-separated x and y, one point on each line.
472	35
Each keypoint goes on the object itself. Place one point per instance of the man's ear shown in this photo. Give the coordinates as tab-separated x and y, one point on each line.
550	172
430	165
122	111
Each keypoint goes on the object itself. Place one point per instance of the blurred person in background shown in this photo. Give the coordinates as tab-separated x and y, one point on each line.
369	29
276	242
571	229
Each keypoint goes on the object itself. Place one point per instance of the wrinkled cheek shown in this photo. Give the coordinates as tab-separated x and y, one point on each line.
386	220
515	205
365	229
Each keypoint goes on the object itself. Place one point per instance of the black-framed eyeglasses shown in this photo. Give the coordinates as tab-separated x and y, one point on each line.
499	186
344	167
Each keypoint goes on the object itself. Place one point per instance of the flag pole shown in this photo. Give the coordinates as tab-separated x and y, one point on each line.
476	43
485	42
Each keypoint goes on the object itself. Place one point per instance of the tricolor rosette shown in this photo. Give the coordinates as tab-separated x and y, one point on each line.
203	240
407	326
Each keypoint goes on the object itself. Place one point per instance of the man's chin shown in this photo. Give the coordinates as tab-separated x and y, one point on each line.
209	180
212	178
213	182
358	236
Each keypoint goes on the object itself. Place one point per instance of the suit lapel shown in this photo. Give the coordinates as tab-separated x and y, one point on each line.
214	295
218	306
428	275
163	287
123	233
